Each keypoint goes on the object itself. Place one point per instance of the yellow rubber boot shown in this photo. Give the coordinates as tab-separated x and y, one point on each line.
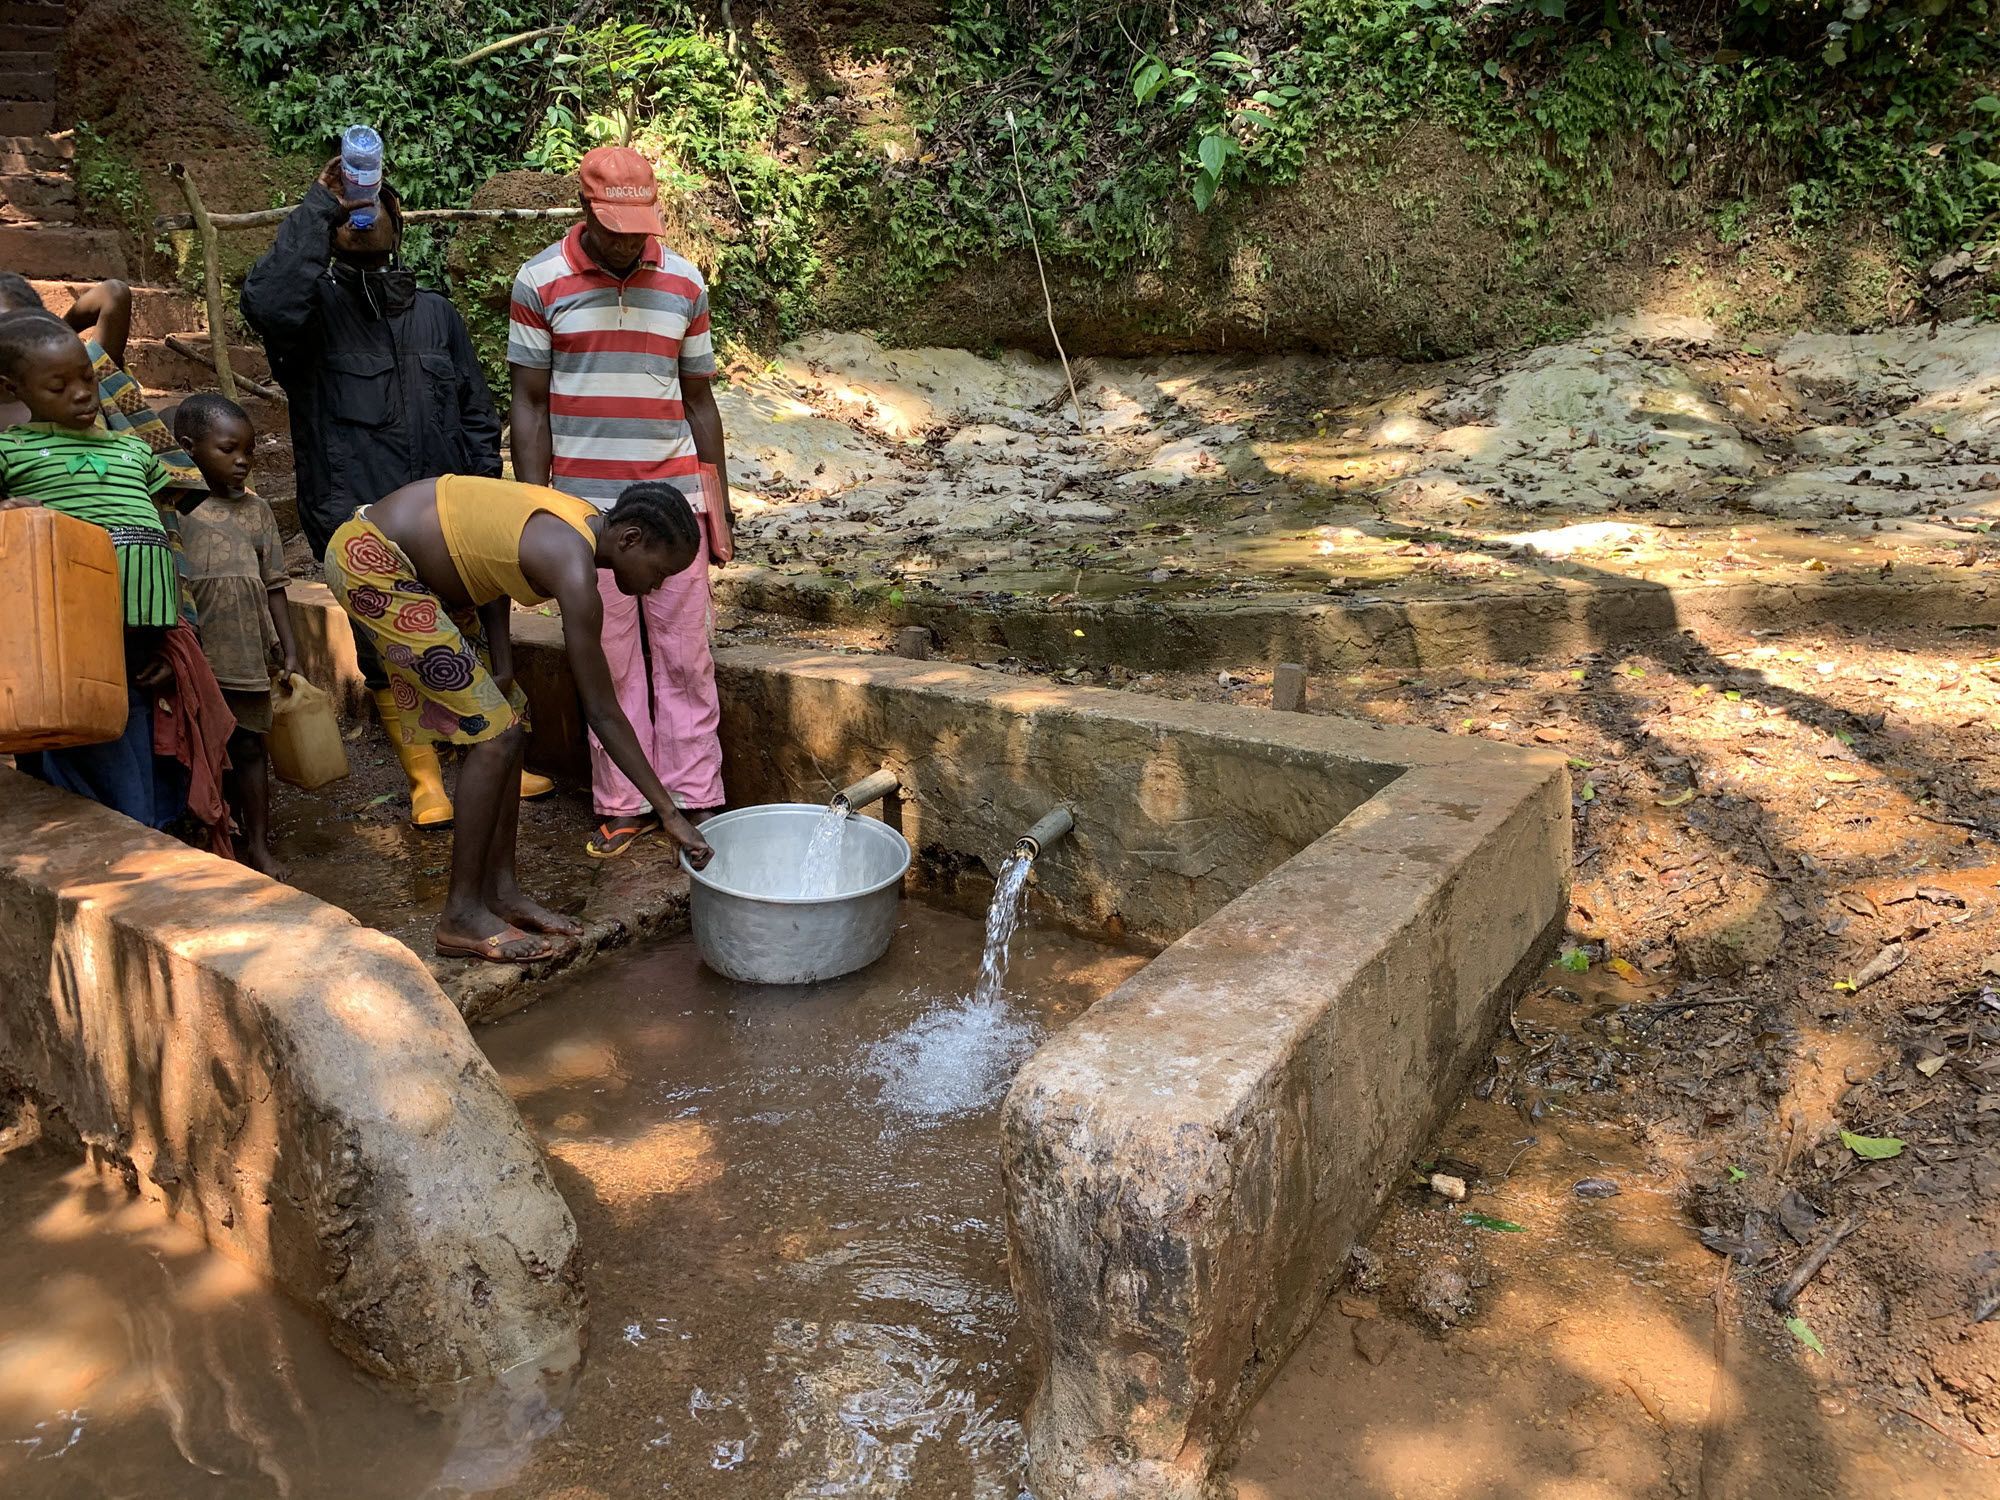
429	806
533	786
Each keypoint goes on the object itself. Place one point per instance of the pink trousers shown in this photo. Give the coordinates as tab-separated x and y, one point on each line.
677	721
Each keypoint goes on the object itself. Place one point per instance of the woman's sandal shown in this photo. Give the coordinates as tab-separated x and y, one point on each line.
489	948
616	835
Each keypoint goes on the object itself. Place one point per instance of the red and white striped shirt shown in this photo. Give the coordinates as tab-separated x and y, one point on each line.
615	352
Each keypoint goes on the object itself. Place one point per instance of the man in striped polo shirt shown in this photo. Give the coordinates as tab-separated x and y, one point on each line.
611	359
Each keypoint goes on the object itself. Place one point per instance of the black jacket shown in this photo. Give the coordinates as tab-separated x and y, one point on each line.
377	402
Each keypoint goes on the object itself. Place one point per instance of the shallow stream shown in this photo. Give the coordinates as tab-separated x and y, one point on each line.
790	1210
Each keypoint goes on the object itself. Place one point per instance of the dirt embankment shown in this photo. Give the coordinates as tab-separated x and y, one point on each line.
133	72
1418	248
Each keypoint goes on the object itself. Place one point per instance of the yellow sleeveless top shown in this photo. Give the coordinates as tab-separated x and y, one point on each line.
482	521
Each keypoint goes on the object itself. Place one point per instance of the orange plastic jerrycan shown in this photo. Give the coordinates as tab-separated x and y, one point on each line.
304	742
62	652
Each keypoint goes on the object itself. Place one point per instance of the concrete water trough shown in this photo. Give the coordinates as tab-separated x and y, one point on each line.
1341	912
1347	911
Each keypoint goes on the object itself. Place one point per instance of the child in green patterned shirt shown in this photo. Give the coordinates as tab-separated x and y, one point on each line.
60	458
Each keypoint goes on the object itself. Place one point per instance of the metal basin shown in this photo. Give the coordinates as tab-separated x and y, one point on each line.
749	926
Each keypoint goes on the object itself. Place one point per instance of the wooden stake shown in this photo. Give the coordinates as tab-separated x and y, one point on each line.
211	265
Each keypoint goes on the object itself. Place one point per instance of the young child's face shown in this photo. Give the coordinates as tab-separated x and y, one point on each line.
224	454
57	385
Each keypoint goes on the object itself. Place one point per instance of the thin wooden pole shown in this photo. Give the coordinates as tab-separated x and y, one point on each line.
167	223
211	258
202	356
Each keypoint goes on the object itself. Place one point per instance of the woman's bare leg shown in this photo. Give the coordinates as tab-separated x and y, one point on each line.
488	796
503	893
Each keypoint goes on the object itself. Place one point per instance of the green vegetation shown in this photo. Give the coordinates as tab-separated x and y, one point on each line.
1129	121
110	186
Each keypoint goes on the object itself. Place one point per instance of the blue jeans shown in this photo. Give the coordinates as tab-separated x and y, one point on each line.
122	774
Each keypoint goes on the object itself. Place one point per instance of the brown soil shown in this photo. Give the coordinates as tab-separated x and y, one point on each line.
133	70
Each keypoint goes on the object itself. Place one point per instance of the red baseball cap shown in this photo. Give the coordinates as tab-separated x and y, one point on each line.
619	185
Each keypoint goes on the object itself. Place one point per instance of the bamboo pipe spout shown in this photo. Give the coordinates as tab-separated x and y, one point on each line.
1055	824
868	789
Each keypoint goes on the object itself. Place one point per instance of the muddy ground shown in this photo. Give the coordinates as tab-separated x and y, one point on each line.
888	477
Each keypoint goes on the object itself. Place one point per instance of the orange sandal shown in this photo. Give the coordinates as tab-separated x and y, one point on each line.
616	835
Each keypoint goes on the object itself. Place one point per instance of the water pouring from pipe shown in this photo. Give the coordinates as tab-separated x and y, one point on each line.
958	1058
1004	914
819	872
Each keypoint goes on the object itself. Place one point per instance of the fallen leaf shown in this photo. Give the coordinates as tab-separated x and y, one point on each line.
1871	1147
1881	965
1487	1221
1929	1066
1575	960
1681	801
1626	972
1841	776
1802	1331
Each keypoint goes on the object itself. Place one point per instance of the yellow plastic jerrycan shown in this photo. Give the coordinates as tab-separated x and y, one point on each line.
62	654
304	742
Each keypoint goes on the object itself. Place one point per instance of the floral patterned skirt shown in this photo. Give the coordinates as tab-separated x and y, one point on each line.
436	658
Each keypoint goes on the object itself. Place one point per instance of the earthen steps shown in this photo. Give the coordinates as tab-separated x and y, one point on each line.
156	310
36	153
47	197
33	34
61	251
27	117
31	13
29	76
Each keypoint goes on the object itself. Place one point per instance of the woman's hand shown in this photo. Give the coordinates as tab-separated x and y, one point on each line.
156	675
291	667
19	504
684	833
332	179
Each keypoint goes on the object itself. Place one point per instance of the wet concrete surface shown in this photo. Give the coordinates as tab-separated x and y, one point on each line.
791	1212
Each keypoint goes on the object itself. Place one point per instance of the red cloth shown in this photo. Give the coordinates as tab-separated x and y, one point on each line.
192	723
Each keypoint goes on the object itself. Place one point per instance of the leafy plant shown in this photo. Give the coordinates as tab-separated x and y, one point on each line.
111	186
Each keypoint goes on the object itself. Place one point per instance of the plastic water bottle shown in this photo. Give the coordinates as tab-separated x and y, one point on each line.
361	169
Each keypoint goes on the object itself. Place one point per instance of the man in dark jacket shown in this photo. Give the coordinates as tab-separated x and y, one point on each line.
384	390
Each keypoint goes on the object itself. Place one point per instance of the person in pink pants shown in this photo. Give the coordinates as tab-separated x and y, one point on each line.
672	704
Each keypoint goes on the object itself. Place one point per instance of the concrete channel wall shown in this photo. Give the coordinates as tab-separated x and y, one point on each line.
1189	1163
1179	806
290	1084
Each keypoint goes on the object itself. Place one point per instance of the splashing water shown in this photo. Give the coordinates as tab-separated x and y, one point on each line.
1002	917
954	1059
821	870
959	1057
